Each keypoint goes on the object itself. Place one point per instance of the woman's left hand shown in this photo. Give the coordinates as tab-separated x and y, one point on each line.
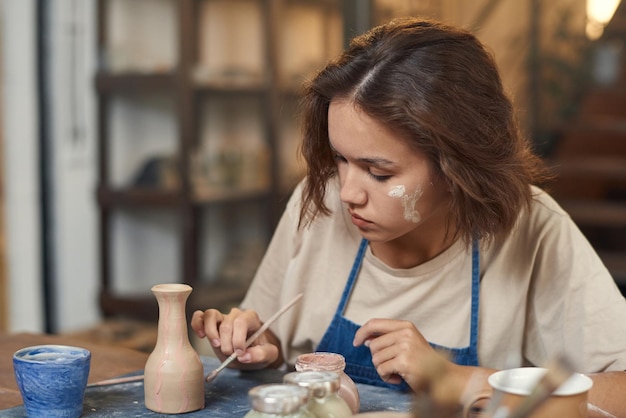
398	349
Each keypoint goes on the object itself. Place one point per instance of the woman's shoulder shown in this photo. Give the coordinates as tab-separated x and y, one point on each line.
545	211
543	201
544	225
544	220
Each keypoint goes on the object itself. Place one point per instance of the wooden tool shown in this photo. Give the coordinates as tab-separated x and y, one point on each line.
116	381
211	376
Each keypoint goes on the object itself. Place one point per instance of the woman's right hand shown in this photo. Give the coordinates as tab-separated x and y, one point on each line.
227	334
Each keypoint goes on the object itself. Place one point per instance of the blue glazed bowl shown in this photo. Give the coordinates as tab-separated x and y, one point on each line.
52	379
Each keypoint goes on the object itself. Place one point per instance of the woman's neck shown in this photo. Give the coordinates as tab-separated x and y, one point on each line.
408	252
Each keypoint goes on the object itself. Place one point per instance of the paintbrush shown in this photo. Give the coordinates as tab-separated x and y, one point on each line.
211	376
557	373
116	381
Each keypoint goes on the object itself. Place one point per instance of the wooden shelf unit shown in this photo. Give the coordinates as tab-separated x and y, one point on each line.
189	86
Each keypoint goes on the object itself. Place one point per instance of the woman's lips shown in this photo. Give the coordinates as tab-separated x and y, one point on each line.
358	221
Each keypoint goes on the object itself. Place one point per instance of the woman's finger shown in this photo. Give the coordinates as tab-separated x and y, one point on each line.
259	354
244	325
197	323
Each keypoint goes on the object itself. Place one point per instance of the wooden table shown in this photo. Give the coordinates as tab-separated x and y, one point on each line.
106	361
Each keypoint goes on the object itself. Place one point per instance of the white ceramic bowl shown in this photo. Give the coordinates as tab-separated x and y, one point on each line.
520	381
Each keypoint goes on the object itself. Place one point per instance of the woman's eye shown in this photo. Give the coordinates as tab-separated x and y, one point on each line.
379	178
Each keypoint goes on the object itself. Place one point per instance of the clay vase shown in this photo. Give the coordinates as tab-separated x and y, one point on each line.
173	375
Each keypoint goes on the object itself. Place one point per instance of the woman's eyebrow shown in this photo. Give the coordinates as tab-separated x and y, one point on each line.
378	162
373	161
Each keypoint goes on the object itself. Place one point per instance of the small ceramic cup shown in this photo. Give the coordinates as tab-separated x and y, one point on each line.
52	379
568	400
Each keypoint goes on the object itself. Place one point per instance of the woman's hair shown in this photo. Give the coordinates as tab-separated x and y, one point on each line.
438	86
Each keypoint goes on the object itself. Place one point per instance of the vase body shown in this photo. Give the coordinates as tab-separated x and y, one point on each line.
173	375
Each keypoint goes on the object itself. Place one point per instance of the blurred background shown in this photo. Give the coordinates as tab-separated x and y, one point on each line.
154	141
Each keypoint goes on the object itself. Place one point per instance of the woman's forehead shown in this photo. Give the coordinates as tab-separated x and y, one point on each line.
351	129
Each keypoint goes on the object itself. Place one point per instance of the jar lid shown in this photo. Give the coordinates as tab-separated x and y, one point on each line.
320	360
278	398
319	384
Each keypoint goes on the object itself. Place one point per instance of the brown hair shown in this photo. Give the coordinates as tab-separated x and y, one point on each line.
438	86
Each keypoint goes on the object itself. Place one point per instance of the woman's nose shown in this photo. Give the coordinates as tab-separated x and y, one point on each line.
352	191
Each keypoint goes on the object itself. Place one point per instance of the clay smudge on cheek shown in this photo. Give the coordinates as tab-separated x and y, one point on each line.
408	202
397	191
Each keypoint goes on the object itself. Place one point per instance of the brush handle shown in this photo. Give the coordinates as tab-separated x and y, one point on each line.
256	335
116	381
223	365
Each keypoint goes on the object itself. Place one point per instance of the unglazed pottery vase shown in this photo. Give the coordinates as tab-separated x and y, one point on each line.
174	375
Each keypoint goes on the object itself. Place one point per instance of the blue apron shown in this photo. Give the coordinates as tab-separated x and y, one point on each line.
340	333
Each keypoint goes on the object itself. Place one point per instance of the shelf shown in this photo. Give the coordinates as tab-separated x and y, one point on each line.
144	307
593	177
216	196
221	297
221	87
124	82
141	307
317	3
233	82
138	197
608	168
248	85
596	213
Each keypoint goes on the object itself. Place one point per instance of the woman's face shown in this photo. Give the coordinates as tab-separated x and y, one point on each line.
389	188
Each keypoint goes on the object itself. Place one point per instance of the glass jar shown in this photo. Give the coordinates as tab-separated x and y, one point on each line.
278	400
323	387
332	362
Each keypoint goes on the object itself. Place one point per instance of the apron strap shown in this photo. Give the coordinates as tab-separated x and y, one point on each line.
354	272
475	294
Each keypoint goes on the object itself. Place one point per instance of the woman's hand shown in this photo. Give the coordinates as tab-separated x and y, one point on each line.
227	334
398	350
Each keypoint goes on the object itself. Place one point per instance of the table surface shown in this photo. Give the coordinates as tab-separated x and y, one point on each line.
226	396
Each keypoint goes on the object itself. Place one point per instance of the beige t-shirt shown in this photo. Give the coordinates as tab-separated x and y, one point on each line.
543	292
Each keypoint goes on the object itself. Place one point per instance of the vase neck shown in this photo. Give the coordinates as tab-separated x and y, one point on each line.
172	315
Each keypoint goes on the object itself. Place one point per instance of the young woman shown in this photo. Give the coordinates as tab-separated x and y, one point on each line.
420	227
